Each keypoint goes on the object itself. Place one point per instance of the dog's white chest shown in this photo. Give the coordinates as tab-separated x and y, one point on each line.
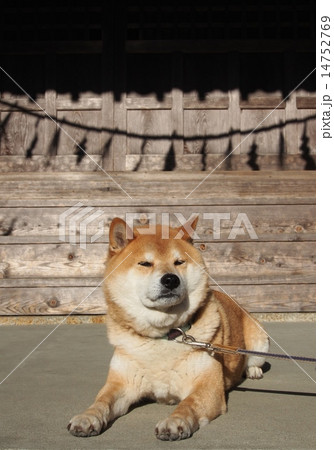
164	370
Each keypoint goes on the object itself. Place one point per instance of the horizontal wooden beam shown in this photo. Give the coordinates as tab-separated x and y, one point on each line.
63	300
269	102
278	223
306	102
190	188
26	105
228	262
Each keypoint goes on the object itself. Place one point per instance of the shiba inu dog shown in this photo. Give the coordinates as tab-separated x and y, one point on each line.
154	284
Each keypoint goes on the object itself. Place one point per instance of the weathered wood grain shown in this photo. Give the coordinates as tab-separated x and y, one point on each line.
219	188
306	102
138	162
139	102
260	263
234	162
22	134
202	122
268	102
85	103
50	163
74	139
42	275
150	123
52	300
230	262
274	223
262	142
61	300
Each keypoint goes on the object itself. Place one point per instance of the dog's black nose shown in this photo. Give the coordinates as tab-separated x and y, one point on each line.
170	281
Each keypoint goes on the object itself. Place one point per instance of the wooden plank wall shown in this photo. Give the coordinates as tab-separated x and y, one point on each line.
43	275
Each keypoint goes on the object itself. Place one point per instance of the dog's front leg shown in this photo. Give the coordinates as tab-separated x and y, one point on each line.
203	404
113	400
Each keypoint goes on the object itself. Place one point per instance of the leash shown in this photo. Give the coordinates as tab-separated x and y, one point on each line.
231	350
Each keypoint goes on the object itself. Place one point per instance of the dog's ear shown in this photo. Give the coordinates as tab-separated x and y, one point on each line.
187	230
120	234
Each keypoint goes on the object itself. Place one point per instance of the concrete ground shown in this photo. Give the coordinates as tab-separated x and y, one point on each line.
63	375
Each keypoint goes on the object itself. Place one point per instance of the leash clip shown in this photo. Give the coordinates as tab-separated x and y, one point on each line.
190	340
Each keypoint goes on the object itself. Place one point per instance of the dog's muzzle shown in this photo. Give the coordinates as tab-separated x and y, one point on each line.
169	292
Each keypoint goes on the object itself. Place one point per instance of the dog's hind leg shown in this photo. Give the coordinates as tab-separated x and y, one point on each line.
256	339
255	363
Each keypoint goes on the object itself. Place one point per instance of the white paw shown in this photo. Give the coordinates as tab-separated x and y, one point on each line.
254	372
173	429
85	425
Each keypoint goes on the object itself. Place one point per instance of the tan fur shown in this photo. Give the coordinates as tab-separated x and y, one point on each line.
141	312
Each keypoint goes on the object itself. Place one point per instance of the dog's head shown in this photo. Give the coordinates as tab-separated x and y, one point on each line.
157	281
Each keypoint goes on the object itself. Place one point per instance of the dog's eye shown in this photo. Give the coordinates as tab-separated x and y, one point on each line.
178	262
145	264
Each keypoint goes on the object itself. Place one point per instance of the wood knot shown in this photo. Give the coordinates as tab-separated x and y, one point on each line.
202	247
298	228
70	256
53	303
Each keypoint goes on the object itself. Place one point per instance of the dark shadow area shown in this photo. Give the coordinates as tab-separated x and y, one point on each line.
52	149
33	144
204	153
3	126
142	152
81	151
272	391
41	48
281	151
170	162
151	75
106	148
253	157
306	152
266	367
228	155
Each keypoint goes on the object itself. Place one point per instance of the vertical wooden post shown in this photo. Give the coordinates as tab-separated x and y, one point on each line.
290	130
50	106
119	142
177	105
234	111
107	87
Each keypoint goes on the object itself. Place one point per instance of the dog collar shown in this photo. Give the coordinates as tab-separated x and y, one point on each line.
174	333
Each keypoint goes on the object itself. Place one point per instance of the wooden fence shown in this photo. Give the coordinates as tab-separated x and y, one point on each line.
44	275
135	88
